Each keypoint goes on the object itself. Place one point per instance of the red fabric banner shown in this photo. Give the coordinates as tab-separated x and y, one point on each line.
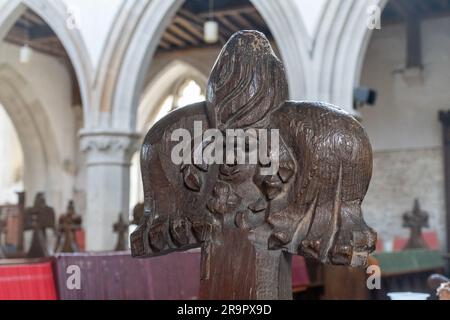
300	275
27	282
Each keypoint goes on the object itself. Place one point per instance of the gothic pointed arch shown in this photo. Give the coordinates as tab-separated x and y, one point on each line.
54	13
42	159
280	16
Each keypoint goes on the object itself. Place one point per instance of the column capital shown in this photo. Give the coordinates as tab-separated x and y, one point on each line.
108	147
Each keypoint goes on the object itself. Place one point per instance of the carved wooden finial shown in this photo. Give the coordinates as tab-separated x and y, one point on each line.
68	225
415	220
302	193
21	221
2	228
39	218
121	228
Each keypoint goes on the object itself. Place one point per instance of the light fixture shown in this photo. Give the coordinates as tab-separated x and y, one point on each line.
211	27
211	32
25	54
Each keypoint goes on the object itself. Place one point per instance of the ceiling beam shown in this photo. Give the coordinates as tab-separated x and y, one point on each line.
230	12
183	34
231	27
195	29
42	48
163	44
173	39
189	15
253	20
41	32
243	23
33	18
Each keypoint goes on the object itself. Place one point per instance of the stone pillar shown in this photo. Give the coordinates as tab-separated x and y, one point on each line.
108	158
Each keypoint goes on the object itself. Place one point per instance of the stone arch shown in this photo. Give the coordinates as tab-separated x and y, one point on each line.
161	85
341	46
53	13
42	169
280	16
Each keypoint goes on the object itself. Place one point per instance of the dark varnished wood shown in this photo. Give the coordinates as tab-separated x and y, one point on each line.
2	228
249	224
415	220
121	228
39	218
20	223
68	224
444	117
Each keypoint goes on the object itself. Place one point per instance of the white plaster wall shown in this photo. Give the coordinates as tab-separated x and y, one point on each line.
406	114
311	12
11	163
404	128
51	83
201	59
95	20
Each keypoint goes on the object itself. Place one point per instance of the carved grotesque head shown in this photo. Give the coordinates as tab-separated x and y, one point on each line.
311	205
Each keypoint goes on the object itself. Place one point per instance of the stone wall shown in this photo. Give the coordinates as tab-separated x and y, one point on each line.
404	128
398	178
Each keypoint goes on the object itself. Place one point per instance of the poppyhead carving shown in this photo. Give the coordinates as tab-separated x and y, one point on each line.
309	205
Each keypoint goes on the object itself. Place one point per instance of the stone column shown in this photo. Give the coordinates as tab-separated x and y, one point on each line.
108	158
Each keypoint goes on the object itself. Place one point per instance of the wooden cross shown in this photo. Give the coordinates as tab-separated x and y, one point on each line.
415	220
68	225
2	228
247	218
21	221
39	218
121	228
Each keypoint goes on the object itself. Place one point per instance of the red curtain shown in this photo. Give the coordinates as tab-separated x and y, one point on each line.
27	282
300	275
